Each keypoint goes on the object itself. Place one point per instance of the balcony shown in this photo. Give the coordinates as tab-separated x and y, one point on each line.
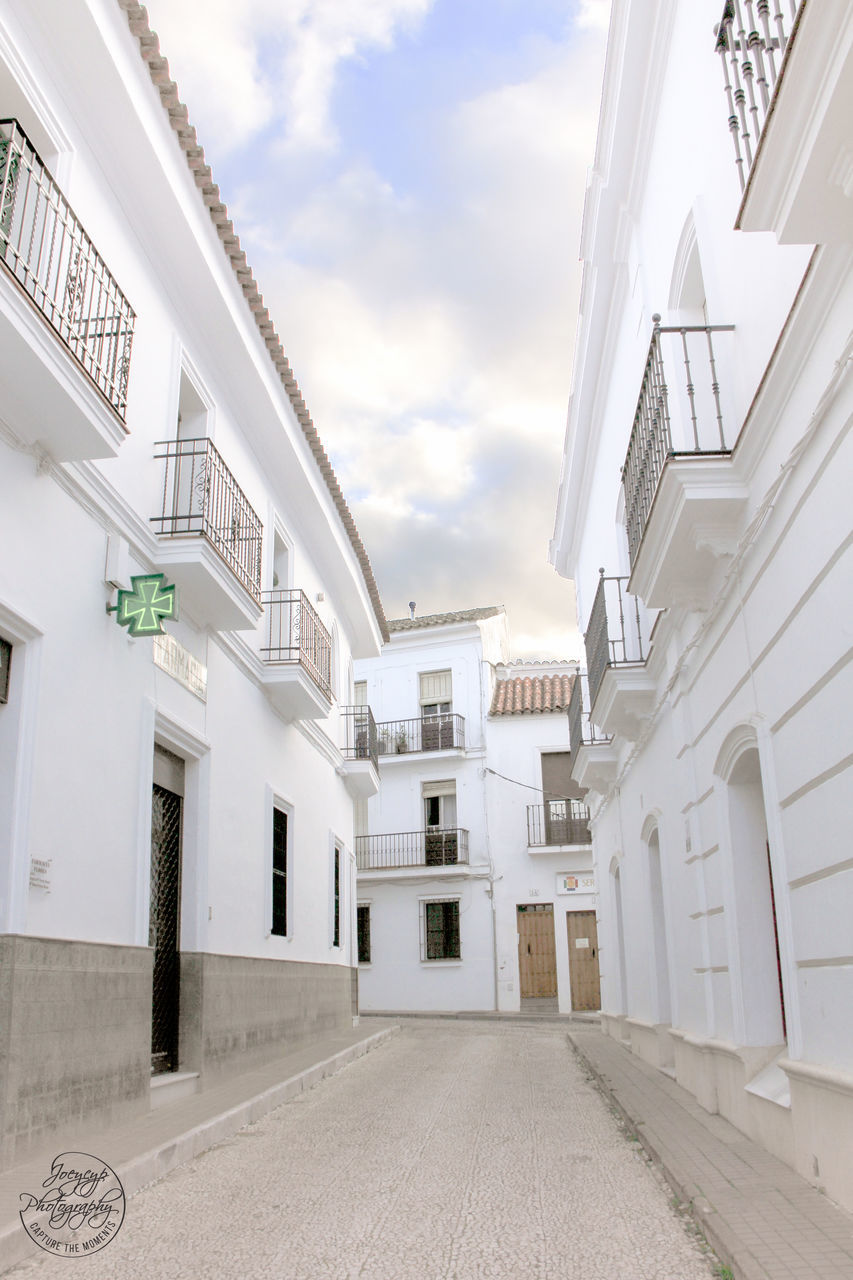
621	691
298	658
210	536
788	76
594	756
360	750
62	290
682	508
556	823
437	847
444	732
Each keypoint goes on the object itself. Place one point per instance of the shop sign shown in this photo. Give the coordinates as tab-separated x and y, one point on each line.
180	664
143	609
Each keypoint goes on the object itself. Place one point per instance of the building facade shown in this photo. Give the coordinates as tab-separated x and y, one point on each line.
477	843
177	864
711	727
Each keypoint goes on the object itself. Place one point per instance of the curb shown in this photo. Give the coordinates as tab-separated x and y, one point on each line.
138	1172
722	1240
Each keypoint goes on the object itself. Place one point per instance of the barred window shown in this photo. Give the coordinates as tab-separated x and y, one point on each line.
279	873
336	903
441	930
364	934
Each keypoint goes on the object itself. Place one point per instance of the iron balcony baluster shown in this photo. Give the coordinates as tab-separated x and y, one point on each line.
201	496
751	41
297	635
558	822
44	247
435	847
652	440
617	631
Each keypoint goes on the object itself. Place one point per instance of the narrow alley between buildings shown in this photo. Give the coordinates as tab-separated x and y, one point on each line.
457	1149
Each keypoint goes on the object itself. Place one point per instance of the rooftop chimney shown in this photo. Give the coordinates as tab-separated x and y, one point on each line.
412	610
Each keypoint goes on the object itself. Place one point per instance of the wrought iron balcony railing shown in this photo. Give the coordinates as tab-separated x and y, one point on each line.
618	631
436	847
751	39
361	741
681	421
43	245
582	731
200	495
558	822
442	732
296	635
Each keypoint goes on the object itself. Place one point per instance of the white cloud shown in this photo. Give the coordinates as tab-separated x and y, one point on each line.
245	66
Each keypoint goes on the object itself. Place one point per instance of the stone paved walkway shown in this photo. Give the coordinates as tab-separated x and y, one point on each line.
455	1151
763	1219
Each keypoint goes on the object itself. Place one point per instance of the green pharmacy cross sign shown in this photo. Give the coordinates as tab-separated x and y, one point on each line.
143	609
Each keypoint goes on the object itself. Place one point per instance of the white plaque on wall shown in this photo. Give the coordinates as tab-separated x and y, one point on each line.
171	656
575	882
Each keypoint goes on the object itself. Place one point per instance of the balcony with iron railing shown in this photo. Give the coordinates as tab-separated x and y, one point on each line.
360	750
297	656
751	40
444	731
210	536
682	505
59	279
621	689
593	754
556	823
788	80
436	847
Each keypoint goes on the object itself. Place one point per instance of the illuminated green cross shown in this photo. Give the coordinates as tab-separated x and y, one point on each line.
142	609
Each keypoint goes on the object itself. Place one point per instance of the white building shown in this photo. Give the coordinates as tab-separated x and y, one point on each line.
464	871
713	375
176	813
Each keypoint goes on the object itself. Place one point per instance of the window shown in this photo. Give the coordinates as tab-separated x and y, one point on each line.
5	666
440	838
363	934
279	873
440	930
436	702
359	693
336	898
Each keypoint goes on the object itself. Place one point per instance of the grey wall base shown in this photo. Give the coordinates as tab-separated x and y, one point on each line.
75	1039
75	1029
237	1012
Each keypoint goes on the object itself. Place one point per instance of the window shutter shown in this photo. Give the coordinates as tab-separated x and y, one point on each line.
436	686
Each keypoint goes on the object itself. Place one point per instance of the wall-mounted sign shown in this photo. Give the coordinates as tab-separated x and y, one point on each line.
143	609
576	882
40	873
180	664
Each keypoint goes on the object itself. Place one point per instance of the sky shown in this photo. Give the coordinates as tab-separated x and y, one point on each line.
407	179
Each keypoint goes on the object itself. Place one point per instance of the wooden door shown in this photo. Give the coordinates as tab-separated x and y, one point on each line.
583	960
537	952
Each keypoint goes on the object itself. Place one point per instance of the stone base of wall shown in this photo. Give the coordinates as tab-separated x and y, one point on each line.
75	1039
237	1012
75	1029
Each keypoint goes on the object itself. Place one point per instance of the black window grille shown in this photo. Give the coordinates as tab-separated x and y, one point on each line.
5	667
364	935
336	925
279	873
442	930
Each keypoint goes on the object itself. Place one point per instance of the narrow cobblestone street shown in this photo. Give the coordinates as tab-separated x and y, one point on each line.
457	1150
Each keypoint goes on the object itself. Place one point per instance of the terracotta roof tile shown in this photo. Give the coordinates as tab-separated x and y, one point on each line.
531	695
444	619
